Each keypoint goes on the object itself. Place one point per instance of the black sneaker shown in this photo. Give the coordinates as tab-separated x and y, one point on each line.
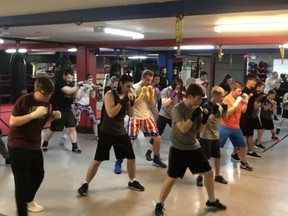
277	131
135	185
216	204
220	179
275	118
260	146
44	146
83	189
157	162
76	150
148	156
253	155
246	166
235	157
159	208
199	181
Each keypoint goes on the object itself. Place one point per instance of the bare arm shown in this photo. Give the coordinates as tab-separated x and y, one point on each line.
184	126
19	120
111	108
70	90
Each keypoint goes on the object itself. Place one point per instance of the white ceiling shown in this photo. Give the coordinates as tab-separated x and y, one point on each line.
194	27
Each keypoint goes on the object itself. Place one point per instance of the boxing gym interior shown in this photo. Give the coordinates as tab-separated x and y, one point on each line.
219	37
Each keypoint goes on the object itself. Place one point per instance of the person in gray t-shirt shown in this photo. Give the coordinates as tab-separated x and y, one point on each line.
209	137
188	118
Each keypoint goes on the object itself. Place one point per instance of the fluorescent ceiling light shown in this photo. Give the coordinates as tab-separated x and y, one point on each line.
137	57
251	27
1	41
41	53
22	50
196	47
72	49
10	51
134	35
284	45
37	38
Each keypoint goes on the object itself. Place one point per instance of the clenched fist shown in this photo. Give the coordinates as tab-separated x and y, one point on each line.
56	114
39	112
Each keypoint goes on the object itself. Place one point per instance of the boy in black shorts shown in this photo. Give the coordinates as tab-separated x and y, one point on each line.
117	103
185	151
209	137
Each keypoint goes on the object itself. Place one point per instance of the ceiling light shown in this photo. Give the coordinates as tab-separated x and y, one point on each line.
1	41
196	47
284	45
22	50
251	27
10	50
134	35
72	49
137	57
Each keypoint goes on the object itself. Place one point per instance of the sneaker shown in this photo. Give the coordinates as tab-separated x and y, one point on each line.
220	179
159	208
76	150
34	207
277	131
253	155
44	146
118	167
148	155
135	185
199	181
260	146
83	189
275	138
235	157
157	162
275	118
8	161
216	204
246	166
62	140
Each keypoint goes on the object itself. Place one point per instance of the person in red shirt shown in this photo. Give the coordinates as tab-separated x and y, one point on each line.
30	114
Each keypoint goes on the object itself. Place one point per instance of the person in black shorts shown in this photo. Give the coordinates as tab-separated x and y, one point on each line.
117	103
185	152
62	100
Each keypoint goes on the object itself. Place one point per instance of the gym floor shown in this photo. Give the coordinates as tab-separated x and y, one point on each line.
260	192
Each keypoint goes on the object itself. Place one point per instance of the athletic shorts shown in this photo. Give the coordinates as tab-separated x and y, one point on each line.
67	120
147	126
121	144
267	124
180	160
257	123
247	127
234	134
211	148
284	113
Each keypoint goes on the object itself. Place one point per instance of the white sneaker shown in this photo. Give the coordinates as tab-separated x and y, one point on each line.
34	207
62	140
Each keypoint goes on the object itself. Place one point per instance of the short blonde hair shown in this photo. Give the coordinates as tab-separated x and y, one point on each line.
217	90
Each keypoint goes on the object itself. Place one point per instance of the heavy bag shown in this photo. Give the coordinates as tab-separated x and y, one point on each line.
18	79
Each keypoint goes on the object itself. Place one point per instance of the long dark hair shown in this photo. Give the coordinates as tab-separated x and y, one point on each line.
226	77
124	79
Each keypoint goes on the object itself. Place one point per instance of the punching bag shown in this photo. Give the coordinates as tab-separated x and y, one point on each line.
18	80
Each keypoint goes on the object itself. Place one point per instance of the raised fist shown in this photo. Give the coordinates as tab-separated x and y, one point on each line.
39	112
56	114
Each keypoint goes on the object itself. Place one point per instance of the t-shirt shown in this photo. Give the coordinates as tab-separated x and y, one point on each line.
166	111
225	87
266	114
211	131
233	119
27	136
269	82
59	100
83	95
285	97
141	111
201	82
184	141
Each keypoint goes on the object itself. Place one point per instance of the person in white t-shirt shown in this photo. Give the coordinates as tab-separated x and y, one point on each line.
142	120
203	81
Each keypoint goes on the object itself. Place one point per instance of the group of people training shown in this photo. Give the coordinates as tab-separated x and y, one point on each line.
199	128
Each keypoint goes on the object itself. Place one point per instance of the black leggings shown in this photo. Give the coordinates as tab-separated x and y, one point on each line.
28	171
161	124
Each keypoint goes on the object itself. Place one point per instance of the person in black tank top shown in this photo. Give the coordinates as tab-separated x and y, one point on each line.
117	103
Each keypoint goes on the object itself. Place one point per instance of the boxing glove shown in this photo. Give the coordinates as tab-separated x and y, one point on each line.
196	113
